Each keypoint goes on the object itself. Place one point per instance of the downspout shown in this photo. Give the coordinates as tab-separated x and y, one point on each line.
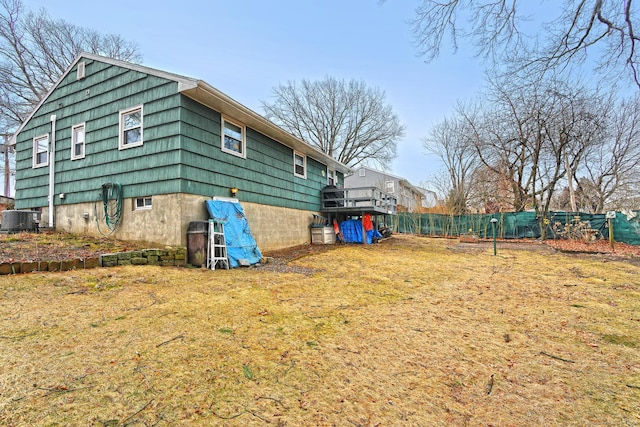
52	162
7	171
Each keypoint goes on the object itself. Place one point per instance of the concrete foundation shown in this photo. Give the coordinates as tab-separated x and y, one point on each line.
167	221
277	228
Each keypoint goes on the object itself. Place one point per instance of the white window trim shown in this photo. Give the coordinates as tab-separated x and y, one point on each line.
73	142
243	142
331	174
35	163
80	72
304	165
362	172
144	206
393	187
121	144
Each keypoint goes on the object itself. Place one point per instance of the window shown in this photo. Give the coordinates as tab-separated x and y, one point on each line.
41	151
331	177
77	142
362	172
299	165
233	138
389	186
130	128
142	203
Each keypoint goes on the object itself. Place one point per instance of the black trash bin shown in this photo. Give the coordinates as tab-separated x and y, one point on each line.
197	243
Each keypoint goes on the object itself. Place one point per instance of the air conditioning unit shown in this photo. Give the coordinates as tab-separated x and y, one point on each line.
14	221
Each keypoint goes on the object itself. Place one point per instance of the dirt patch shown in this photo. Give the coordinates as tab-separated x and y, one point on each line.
502	245
55	246
599	250
297	252
596	246
280	260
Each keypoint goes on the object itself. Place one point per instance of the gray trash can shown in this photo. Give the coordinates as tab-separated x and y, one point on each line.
197	243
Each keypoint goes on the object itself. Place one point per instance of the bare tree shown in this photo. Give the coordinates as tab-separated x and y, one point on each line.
34	52
608	174
531	138
449	141
579	28
489	193
346	120
440	186
571	126
507	140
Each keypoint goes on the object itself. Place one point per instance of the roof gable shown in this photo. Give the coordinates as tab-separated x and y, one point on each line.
404	182
209	96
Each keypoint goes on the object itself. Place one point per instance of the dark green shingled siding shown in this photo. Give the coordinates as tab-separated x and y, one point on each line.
153	168
265	176
181	151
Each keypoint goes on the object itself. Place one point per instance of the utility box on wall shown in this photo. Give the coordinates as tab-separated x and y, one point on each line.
323	235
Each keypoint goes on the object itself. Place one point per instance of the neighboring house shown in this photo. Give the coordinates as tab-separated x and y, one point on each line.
430	199
6	203
409	197
167	143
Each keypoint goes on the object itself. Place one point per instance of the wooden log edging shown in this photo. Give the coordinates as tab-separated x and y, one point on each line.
174	257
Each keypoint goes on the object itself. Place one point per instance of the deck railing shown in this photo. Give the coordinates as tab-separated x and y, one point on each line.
358	200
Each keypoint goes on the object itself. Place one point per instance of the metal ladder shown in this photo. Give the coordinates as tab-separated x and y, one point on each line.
217	254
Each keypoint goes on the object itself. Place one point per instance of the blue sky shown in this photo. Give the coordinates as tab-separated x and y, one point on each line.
246	47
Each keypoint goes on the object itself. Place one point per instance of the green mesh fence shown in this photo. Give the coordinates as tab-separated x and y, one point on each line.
519	225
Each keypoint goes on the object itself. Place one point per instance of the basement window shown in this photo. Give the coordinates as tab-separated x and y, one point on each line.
41	151
142	203
299	165
130	128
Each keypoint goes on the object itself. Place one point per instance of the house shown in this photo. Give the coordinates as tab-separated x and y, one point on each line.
6	203
133	152
430	199
409	198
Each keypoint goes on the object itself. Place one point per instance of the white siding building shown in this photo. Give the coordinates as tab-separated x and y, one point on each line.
409	197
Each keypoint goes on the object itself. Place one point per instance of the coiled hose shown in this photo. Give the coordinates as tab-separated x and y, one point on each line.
110	213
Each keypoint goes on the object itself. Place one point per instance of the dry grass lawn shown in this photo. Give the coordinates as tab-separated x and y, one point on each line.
407	332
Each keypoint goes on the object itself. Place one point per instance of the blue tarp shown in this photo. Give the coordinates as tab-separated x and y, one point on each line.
240	242
351	230
373	234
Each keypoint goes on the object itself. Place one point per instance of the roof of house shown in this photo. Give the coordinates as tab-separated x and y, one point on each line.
427	192
202	92
402	180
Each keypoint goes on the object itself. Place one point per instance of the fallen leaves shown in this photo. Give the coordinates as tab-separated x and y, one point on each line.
597	246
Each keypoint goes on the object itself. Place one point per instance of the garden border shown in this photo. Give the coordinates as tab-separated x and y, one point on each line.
170	257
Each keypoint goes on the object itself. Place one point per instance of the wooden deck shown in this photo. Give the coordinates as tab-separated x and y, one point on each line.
358	201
